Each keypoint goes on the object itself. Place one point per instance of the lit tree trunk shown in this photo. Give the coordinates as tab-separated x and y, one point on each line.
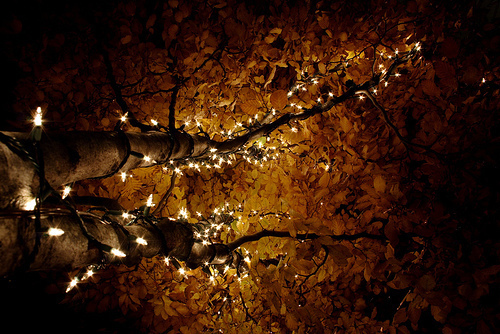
73	156
71	250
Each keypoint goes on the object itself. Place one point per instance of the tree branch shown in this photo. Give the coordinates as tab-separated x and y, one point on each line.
300	236
163	200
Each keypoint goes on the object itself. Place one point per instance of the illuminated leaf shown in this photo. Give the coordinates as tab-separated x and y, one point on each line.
279	99
379	183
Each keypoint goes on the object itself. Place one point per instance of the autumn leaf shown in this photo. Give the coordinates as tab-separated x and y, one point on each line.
279	99
379	184
430	88
427	282
250	107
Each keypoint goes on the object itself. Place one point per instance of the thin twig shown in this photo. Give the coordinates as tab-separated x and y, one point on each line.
300	236
246	309
163	200
393	127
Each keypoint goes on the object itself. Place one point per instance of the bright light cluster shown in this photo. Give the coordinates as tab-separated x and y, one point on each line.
37	120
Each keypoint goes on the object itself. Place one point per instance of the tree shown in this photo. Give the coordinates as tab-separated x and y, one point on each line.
311	166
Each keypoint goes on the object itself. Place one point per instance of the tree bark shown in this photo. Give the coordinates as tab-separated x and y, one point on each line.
72	250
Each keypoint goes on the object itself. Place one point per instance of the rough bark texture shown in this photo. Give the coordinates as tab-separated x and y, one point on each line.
74	156
71	250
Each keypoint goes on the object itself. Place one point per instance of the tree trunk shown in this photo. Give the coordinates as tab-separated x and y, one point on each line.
74	156
19	250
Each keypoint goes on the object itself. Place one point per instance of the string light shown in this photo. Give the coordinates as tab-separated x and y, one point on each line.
124	117
66	192
141	241
118	253
89	273
149	202
30	205
72	284
183	213
55	232
38	117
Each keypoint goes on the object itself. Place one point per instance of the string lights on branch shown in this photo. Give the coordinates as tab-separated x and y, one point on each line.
208	230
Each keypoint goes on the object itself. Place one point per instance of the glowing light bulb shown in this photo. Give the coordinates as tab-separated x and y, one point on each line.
123	176
118	253
150	201
72	284
30	205
167	261
124	117
38	117
89	273
141	241
154	122
55	232
182	271
147	158
66	192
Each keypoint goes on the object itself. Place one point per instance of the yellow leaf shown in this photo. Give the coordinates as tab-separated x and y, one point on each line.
321	193
379	183
345	124
324	180
279	99
275	31
250	107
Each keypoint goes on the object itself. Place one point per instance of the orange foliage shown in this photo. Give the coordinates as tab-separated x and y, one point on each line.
341	172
